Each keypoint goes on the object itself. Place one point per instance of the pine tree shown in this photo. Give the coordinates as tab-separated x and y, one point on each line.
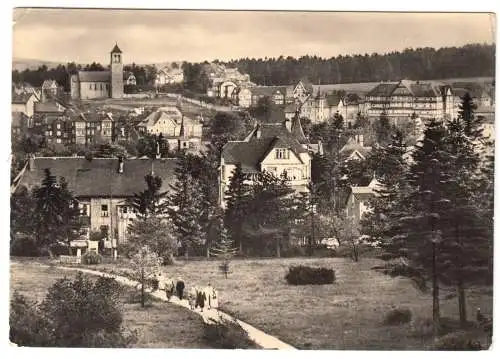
472	125
56	215
235	214
151	201
225	250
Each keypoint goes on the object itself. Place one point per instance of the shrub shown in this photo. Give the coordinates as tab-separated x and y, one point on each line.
75	313
91	258
302	275
457	341
227	334
24	246
398	316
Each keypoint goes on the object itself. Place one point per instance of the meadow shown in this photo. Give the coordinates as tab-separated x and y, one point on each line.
348	314
158	325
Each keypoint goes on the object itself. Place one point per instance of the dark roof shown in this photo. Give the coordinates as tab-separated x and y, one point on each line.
47	107
116	49
267	90
99	177
21	98
297	131
383	89
460	92
307	84
94	76
424	90
333	99
248	154
352	99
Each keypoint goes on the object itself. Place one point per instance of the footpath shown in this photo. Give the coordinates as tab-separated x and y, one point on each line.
262	339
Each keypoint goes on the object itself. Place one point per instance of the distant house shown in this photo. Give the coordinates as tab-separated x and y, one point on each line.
357	203
49	89
278	147
169	75
129	79
24	102
225	82
102	187
355	149
249	97
52	107
302	90
349	107
181	132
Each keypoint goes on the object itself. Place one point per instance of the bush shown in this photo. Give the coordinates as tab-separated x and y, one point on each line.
91	258
302	275
75	313
398	316
457	341
227	334
24	246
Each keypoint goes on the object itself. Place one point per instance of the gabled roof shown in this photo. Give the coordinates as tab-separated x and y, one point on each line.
48	84
116	50
94	76
99	177
307	84
383	89
333	99
21	98
267	90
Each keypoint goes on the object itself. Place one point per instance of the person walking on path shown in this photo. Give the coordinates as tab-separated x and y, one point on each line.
209	290
200	299
180	288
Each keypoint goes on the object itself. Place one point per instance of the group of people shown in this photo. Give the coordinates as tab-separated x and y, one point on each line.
197	297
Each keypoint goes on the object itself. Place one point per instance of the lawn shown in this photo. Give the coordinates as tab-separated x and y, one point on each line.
159	325
348	314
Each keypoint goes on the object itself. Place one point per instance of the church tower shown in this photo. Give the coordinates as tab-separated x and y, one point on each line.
116	73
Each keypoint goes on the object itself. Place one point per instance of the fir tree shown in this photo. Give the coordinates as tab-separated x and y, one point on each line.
472	125
236	206
225	250
56	214
151	201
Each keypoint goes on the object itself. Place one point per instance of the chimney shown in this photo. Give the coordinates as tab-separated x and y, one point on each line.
120	164
31	162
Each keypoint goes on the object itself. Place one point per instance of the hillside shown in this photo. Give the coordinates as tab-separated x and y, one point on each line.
32	64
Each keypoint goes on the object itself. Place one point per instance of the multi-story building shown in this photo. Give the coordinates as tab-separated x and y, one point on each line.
49	90
250	96
24	102
406	99
102	187
279	147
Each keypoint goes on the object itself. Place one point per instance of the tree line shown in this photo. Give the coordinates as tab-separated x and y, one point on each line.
427	63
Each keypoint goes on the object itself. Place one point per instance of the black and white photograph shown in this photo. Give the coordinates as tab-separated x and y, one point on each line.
251	179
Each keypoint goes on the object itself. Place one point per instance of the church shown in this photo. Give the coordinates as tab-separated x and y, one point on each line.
87	85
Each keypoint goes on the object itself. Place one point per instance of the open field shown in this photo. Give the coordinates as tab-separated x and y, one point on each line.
345	315
160	325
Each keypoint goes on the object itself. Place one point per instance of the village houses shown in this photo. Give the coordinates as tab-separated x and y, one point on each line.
169	75
279	147
102	187
180	131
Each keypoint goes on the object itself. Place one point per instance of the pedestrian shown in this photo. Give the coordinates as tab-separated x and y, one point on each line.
200	299
209	290
180	288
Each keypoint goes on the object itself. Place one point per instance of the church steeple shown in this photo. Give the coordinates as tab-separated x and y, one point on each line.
116	72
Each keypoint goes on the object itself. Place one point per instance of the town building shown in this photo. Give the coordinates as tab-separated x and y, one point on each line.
102	187
49	90
24	102
169	75
279	147
180	131
358	201
129	79
250	96
87	85
404	100
350	107
223	81
355	148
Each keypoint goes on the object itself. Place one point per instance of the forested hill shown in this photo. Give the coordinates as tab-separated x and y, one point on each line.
414	64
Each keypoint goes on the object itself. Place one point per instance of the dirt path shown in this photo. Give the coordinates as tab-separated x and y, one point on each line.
262	339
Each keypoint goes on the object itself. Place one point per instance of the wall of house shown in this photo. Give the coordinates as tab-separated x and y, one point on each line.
115	218
91	90
245	98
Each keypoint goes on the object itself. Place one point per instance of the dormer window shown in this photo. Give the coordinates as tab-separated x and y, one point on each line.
282	153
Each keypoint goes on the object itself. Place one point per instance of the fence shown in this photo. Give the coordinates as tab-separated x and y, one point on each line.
70	259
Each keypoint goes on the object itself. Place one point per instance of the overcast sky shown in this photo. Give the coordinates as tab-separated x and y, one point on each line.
152	36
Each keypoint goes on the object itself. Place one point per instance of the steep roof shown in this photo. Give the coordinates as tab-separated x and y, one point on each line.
116	50
94	76
333	99
383	89
47	84
21	98
99	177
424	89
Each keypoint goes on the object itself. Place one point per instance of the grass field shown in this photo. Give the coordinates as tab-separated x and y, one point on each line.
345	315
160	325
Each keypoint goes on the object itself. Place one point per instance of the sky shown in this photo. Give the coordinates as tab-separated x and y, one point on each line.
156	36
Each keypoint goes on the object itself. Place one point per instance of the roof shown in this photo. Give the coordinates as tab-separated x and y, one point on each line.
383	89
21	98
291	108
47	84
333	99
307	84
163	113
352	99
267	90
99	177
94	76
424	89
352	146
47	107
116	50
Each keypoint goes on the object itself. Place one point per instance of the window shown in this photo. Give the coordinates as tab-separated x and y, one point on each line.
90	86
101	86
58	133
58	140
104	210
282	153
58	126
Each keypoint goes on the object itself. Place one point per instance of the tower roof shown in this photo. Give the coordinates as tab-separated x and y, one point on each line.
116	50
